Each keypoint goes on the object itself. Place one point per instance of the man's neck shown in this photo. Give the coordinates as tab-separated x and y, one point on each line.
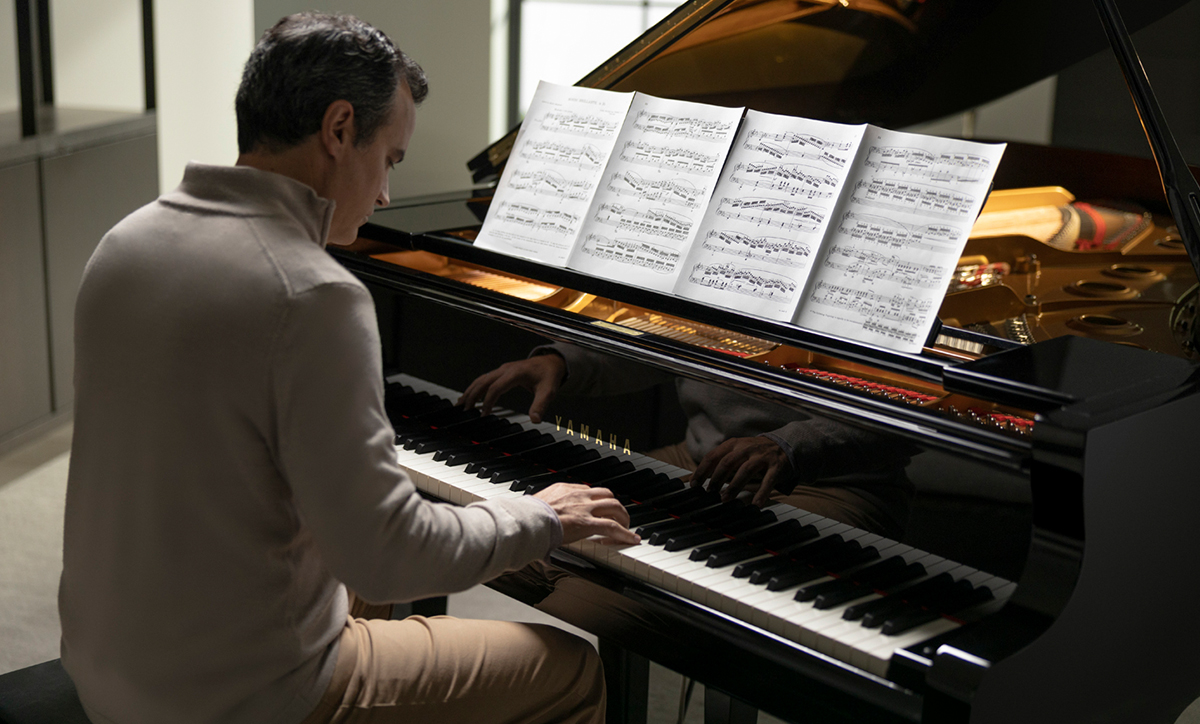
301	162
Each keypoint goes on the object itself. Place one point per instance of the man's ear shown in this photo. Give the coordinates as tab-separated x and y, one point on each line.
337	128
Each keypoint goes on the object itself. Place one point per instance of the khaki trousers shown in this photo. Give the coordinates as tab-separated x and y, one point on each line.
444	670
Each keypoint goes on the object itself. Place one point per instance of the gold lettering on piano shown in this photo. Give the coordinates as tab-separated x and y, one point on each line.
585	432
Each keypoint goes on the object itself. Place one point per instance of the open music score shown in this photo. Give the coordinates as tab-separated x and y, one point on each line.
853	231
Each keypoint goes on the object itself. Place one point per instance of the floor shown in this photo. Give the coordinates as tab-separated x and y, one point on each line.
33	483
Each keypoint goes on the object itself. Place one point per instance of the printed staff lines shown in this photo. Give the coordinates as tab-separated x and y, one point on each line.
946	168
652	222
550	183
582	157
772	212
669	157
900	309
893	234
913	198
794	179
577	124
675	191
657	258
671	126
771	249
873	266
744	280
542	220
790	144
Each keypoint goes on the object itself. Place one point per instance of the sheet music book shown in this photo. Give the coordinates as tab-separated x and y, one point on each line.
853	231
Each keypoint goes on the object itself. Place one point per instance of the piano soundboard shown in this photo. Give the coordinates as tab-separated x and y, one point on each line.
832	589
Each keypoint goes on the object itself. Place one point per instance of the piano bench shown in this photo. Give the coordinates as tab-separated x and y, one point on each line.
40	694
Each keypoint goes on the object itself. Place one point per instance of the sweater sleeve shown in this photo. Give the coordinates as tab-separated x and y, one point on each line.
335	451
594	374
819	447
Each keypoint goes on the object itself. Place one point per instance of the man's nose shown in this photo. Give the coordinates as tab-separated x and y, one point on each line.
383	199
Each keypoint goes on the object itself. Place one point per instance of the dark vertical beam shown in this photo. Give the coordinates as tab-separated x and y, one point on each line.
28	66
45	52
627	679
514	63
148	52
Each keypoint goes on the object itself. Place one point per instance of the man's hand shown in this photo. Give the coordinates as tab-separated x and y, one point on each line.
740	461
542	375
585	511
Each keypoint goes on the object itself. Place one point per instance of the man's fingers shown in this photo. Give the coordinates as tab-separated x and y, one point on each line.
612	532
543	395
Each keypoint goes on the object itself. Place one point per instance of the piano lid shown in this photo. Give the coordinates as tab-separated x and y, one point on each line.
890	62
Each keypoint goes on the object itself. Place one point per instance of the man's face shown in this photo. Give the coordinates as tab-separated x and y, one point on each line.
360	183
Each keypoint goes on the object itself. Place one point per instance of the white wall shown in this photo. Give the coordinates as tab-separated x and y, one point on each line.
98	54
200	47
450	39
10	95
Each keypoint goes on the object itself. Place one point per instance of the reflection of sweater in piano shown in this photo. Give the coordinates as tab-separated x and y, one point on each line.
823	452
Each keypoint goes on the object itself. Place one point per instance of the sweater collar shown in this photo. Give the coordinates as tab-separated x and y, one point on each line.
246	191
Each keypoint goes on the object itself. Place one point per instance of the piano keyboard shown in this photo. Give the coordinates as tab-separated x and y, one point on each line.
852	595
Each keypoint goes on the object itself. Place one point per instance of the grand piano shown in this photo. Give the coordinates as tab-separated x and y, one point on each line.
1062	374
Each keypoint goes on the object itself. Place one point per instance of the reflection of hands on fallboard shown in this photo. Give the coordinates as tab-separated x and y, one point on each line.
853	231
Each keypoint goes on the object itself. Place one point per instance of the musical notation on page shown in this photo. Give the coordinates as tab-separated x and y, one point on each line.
772	212
905	310
743	280
657	258
889	233
577	124
872	266
949	167
773	249
675	191
791	144
674	158
793	179
914	198
650	222
583	156
675	126
532	217
551	183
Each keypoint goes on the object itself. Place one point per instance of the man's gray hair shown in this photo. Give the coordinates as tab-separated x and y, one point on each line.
309	60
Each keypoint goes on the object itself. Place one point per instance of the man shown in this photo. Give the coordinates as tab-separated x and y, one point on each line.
232	465
734	442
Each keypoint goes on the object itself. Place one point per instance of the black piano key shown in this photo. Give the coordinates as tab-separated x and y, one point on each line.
852	557
633	480
479	452
597	471
522	441
716	512
486	469
544	452
668	525
760	571
642	513
571	458
544	482
962	595
751	522
678	498
789	531
794	576
418	404
442	416
859	583
482	429
425	447
509	475
735	553
874	613
657	489
684	540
